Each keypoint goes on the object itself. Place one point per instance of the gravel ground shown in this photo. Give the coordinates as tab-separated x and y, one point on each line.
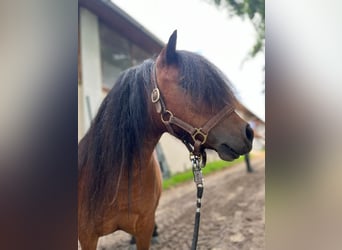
232	214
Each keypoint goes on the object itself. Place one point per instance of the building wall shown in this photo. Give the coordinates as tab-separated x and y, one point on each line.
177	155
80	113
91	90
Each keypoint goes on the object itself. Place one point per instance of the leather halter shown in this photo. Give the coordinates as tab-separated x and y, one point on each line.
198	135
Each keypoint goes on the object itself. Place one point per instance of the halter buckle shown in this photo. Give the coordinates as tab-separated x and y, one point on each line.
199	132
155	95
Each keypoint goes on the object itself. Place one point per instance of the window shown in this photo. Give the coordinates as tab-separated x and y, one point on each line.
117	54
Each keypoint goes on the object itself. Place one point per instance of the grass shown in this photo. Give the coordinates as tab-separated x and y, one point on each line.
187	175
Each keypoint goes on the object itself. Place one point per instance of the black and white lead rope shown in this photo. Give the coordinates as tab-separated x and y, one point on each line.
198	179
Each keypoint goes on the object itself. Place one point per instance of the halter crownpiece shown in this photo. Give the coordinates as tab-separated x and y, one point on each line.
198	135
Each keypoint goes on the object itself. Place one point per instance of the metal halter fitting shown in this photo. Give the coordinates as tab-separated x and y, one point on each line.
198	135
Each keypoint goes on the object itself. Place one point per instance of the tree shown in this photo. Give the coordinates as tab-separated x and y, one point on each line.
255	11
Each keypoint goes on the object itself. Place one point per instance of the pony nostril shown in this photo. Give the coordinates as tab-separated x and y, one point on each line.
249	133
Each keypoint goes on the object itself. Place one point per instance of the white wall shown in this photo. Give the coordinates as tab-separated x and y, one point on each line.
80	113
90	65
177	155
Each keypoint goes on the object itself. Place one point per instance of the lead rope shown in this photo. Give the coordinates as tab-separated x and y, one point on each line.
198	179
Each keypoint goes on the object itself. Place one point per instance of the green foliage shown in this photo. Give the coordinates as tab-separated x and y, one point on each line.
187	175
255	11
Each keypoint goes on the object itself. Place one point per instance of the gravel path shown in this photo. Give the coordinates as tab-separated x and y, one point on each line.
232	214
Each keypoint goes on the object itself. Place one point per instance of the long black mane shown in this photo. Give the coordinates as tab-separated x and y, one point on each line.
116	133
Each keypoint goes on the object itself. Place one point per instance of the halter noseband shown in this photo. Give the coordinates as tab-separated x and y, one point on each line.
198	135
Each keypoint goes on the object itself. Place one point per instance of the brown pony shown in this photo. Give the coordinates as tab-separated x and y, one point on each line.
119	181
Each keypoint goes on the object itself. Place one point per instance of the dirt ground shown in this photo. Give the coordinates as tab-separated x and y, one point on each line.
232	214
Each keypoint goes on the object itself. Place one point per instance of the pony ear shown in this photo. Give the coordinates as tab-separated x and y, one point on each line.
168	55
171	54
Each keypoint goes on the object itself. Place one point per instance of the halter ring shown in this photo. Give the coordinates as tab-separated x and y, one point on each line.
199	132
164	115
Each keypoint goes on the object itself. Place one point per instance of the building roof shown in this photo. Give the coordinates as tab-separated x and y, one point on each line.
120	21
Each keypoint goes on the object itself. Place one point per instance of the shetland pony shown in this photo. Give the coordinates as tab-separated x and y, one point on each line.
119	179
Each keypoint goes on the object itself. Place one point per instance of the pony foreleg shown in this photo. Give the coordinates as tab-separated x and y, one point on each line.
154	240
88	242
143	238
155	235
